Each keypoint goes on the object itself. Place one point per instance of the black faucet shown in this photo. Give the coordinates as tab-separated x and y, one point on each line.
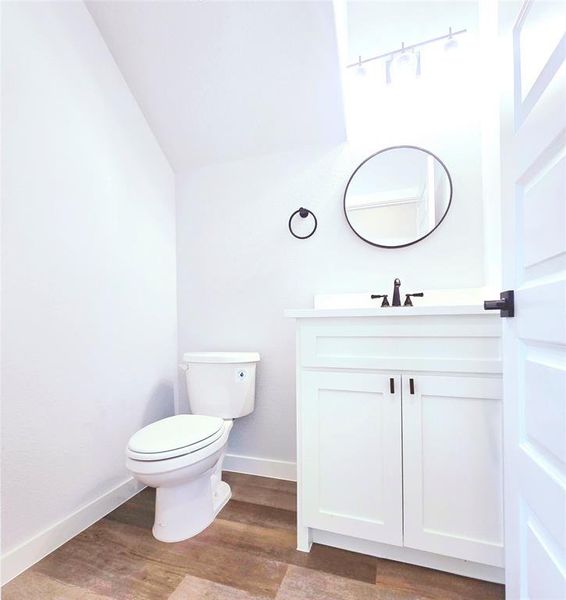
396	295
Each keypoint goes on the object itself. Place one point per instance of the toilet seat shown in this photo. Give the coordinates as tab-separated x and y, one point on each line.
157	466
175	436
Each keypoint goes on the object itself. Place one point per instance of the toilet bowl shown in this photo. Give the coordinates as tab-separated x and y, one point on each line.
181	456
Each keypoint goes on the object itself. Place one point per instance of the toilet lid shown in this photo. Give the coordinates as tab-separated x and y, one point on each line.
176	435
221	357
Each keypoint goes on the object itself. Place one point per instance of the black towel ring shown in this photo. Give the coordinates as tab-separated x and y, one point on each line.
303	213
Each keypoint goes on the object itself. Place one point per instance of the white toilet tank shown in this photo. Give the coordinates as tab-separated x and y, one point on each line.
221	384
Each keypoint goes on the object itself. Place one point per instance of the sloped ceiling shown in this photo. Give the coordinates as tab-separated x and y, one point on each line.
225	80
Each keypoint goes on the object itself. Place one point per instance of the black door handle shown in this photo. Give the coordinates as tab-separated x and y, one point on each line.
392	385
411	385
505	304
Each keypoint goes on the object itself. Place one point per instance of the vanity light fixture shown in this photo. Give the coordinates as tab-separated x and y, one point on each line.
451	43
408	52
403	66
388	64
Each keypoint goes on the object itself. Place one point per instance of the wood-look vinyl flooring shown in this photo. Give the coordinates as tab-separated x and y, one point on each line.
247	553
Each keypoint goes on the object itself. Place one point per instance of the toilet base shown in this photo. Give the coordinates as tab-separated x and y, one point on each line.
183	511
221	495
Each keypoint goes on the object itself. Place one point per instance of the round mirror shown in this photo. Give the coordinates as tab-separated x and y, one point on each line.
398	196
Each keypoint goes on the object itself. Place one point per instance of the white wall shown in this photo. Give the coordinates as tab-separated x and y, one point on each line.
88	251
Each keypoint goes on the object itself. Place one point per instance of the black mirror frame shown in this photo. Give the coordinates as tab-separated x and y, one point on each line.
380	152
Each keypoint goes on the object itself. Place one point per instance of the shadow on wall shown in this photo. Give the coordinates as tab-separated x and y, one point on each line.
161	403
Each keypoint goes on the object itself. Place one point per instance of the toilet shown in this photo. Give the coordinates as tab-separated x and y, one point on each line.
182	456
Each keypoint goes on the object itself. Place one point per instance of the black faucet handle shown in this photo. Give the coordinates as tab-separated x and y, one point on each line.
408	301
384	296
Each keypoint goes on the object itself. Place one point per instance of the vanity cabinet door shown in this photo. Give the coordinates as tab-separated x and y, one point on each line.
350	454
452	461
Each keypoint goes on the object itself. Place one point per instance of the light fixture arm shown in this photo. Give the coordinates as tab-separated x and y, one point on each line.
404	48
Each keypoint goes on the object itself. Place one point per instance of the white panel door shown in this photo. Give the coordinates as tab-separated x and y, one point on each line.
533	119
452	466
350	466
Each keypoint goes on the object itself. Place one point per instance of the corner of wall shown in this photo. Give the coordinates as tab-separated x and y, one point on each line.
490	145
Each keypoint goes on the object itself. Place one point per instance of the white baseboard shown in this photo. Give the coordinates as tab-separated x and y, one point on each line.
27	554
266	467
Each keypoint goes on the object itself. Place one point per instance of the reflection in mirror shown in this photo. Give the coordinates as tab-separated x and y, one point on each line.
397	196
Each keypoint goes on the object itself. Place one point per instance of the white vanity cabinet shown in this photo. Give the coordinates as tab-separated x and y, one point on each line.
350	439
399	435
452	466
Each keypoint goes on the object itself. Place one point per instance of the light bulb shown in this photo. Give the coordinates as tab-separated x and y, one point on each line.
404	67
451	43
361	70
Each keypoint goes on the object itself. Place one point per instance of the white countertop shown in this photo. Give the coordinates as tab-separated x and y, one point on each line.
408	311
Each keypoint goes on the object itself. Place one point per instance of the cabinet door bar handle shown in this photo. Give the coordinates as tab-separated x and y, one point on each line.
392	385
412	385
